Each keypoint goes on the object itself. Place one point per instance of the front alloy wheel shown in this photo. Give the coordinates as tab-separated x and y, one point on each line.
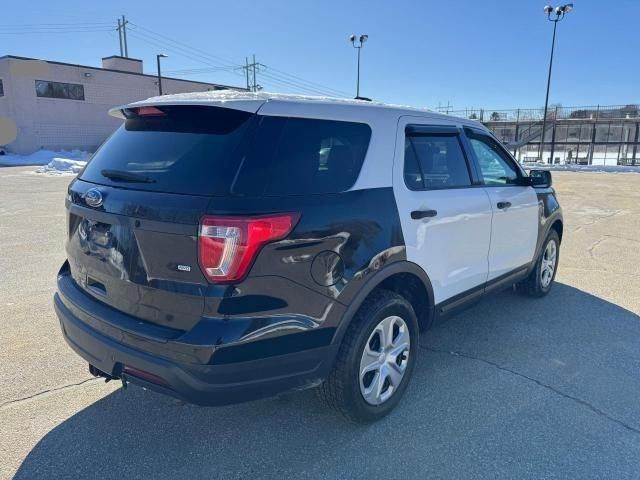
548	266
540	280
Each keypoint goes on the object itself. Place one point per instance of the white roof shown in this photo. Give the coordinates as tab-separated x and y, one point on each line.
285	104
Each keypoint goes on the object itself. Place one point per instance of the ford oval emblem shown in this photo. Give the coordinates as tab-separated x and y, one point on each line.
93	197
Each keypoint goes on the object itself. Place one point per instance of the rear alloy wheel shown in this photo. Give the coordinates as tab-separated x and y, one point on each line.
540	280
375	360
384	360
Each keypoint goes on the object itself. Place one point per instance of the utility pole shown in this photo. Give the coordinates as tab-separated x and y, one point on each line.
120	37
246	68
251	70
124	36
255	84
158	57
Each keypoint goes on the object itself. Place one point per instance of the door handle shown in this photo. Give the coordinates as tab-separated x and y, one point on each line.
418	214
503	205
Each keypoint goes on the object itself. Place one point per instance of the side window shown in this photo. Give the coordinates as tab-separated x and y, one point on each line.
1	89
299	156
434	161
496	167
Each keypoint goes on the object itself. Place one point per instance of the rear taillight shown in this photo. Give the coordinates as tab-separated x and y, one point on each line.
227	246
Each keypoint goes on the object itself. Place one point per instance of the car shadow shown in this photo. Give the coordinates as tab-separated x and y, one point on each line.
512	377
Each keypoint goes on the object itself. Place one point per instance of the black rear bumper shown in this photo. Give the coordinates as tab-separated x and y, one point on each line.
159	362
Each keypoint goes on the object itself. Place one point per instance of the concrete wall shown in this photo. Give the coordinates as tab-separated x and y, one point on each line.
59	124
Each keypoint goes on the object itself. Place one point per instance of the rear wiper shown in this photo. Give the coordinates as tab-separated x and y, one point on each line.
124	176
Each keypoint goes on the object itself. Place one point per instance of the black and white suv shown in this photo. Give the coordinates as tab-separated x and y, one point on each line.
225	247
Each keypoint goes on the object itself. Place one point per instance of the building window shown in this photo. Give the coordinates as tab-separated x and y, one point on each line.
70	91
1	89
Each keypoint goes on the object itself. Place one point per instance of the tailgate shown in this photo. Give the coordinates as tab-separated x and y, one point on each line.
138	253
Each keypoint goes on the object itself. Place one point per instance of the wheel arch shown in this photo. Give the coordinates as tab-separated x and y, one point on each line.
403	277
558	227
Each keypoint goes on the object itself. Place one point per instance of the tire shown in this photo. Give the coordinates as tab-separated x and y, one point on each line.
539	282
344	390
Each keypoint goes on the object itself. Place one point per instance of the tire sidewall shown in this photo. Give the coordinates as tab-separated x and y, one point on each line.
395	306
552	236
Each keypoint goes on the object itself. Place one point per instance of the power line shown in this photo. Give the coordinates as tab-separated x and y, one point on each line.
211	59
49	24
297	86
181	51
31	28
183	45
200	71
31	32
340	92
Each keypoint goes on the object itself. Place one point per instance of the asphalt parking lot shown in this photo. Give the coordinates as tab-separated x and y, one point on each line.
512	388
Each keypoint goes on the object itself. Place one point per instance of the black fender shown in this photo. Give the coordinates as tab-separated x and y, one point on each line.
550	213
373	281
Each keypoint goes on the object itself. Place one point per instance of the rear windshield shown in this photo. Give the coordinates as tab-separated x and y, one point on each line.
183	150
218	151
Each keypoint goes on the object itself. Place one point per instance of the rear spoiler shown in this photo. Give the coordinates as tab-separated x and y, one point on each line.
244	104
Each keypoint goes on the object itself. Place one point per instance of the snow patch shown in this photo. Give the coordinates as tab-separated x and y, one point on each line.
50	162
251	101
584	168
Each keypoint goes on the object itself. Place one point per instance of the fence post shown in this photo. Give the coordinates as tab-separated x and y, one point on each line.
635	145
593	136
515	138
553	135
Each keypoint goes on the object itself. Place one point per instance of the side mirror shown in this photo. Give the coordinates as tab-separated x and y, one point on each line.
540	178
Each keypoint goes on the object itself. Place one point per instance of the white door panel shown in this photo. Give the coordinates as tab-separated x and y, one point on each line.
451	247
514	229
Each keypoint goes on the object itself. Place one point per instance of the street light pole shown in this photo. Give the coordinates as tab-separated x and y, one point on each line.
358	43
560	13
158	57
358	80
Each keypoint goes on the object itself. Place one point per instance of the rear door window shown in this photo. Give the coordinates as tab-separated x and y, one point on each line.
295	156
435	161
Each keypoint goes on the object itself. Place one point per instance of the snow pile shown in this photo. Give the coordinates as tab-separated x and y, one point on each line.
41	157
584	168
59	166
52	163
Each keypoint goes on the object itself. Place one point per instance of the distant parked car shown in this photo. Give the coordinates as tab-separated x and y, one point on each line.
223	248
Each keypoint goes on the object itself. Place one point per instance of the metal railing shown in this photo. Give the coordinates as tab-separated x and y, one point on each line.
554	113
583	135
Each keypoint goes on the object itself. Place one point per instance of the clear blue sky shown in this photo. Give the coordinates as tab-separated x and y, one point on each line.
471	53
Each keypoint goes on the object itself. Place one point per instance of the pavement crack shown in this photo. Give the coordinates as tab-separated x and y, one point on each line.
44	392
580	401
596	244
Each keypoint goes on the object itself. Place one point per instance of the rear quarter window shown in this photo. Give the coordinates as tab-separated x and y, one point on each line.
295	156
